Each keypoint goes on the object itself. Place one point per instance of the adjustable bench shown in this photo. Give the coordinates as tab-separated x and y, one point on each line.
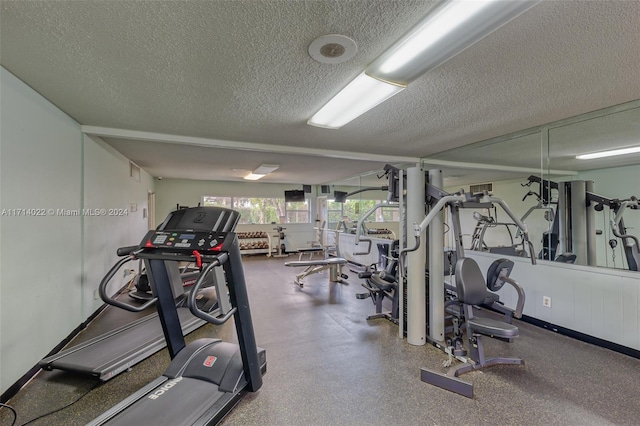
333	264
309	250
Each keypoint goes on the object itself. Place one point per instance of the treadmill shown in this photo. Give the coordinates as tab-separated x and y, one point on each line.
207	377
111	353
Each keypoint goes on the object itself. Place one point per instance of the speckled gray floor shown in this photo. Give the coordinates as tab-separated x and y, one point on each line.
328	366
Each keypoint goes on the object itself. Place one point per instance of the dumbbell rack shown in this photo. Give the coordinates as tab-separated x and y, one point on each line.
256	242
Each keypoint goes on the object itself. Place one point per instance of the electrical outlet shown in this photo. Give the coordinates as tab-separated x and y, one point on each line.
96	295
546	301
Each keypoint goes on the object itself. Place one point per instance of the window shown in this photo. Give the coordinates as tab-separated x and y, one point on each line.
217	201
352	210
259	210
334	213
298	212
256	210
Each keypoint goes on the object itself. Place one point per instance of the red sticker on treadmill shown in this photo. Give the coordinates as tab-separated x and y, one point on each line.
209	361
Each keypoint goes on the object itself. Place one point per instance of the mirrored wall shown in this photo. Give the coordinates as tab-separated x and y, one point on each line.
577	210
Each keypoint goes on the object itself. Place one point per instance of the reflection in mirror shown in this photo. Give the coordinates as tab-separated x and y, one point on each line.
611	184
352	198
582	211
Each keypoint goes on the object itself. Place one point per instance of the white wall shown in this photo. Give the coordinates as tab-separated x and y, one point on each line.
50	262
108	186
599	302
41	255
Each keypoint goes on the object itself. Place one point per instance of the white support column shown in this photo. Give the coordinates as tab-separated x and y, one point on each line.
436	267
579	244
592	252
416	260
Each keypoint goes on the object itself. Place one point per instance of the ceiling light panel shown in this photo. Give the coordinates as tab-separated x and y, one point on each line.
611	153
358	97
444	33
265	169
254	176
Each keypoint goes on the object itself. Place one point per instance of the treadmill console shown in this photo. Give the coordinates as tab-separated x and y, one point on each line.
186	241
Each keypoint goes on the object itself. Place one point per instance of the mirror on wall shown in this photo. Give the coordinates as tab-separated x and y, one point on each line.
581	211
609	235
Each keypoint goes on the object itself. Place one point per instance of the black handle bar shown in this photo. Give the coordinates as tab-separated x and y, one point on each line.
193	305
110	300
206	258
132	254
126	251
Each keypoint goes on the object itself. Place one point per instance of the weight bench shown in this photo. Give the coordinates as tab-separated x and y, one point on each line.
309	250
333	264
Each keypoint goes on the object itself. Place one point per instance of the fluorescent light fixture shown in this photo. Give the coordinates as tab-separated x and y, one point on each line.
253	176
358	97
447	31
611	153
265	169
262	171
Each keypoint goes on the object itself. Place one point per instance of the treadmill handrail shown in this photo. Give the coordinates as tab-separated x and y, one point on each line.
102	289
126	251
193	305
206	258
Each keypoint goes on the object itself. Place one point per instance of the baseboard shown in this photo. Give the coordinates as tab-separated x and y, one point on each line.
583	337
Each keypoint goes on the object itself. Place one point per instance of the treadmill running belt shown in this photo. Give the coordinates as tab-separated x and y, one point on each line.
114	352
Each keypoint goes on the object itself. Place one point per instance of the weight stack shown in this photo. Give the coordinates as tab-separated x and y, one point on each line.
404	304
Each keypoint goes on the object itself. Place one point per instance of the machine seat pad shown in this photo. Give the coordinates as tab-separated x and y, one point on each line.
381	284
491	298
319	262
491	327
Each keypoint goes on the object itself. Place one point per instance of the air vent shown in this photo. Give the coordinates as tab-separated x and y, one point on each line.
481	187
134	171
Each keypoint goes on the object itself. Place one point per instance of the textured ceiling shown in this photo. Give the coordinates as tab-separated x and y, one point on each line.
240	71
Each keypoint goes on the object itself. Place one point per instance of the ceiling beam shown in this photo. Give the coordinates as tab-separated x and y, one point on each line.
242	146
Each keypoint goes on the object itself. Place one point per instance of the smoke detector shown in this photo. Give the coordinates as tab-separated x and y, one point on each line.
332	49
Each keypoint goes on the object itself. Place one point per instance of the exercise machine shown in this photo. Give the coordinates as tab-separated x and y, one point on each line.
207	377
483	223
381	284
109	354
572	235
618	207
547	202
470	284
471	291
